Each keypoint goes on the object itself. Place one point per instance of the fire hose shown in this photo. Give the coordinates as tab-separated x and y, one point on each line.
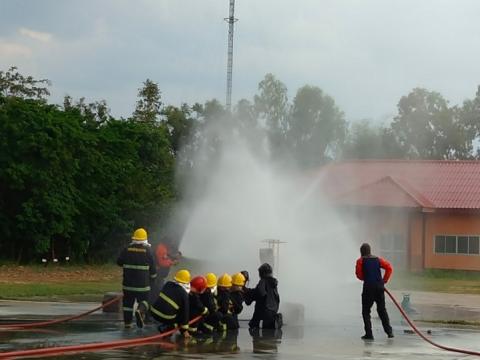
69	349
60	320
146	340
419	333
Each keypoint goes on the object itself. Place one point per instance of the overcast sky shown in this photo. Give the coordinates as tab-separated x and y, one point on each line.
364	53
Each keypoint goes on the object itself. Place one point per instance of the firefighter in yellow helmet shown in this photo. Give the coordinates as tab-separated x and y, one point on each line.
172	305
237	294
209	300
138	272
225	305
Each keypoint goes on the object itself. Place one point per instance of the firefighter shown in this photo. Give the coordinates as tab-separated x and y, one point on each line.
208	298
267	300
237	295
172	306
225	304
138	272
368	270
198	285
165	260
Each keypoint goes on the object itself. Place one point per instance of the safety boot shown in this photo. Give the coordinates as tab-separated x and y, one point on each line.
140	318
367	337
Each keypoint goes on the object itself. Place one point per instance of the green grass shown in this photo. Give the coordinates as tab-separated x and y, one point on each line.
58	282
58	291
446	281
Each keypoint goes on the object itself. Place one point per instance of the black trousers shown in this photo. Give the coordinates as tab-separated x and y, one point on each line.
129	298
374	294
266	315
212	320
156	287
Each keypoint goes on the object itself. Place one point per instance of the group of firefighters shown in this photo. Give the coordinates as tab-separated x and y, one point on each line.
219	301
213	302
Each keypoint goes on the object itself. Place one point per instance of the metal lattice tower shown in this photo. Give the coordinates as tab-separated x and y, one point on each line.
231	21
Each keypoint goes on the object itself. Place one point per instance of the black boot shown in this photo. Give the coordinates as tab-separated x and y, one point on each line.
367	337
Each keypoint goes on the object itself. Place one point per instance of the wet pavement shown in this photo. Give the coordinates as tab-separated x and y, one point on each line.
339	339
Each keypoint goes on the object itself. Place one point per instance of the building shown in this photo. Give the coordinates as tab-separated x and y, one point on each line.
419	214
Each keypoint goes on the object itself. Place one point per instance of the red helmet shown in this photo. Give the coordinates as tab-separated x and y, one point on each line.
199	284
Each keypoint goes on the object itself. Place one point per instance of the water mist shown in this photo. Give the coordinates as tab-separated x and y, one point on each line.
247	199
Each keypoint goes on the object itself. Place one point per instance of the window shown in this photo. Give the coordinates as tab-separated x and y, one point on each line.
473	245
462	244
440	244
452	244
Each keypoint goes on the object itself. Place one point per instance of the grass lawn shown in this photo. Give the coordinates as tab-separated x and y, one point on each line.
446	281
82	283
90	282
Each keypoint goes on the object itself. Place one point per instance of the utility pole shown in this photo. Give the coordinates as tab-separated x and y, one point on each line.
231	21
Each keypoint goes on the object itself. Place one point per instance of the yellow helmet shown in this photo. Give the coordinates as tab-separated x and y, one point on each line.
183	276
238	279
225	281
211	280
140	235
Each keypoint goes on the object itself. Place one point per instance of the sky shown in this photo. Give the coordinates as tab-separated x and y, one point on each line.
366	54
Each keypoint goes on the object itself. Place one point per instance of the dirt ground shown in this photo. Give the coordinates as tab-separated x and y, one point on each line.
57	274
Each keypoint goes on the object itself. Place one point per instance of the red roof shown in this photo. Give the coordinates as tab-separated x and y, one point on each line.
404	183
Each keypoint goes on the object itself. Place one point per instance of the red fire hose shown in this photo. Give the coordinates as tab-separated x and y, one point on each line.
57	321
60	350
419	333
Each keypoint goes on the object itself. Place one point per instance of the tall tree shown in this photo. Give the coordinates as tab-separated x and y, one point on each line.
469	116
13	83
367	141
427	128
316	127
179	123
149	104
271	107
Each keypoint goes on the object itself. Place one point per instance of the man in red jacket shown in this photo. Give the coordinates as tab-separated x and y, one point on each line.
368	270
165	260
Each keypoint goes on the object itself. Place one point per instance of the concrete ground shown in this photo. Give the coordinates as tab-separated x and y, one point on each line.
442	306
339	339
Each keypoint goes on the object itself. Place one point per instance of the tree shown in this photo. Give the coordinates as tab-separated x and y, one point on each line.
179	124
316	127
367	141
74	180
427	128
271	108
469	117
94	113
38	165
149	104
14	84
363	141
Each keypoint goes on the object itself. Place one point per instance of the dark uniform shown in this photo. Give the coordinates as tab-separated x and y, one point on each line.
267	300
212	319
236	298
138	272
172	307
225	307
368	269
197	309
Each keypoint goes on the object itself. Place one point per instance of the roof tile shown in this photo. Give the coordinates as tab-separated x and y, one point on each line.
443	183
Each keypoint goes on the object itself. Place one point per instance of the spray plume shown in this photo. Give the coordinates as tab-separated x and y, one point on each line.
241	198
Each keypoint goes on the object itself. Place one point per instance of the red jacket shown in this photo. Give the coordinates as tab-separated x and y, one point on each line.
384	264
163	260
